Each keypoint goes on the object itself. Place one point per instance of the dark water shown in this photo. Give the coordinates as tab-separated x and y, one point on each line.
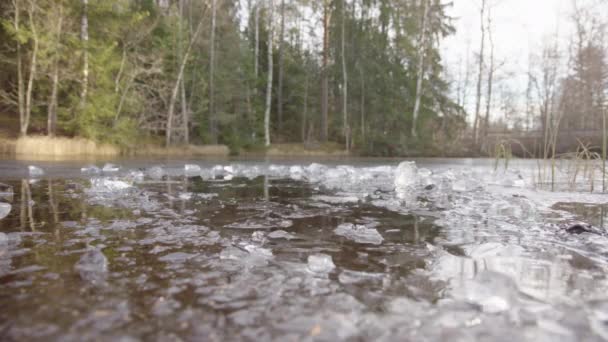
275	258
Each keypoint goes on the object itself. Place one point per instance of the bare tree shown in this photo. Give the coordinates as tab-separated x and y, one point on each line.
257	41
346	128
324	71
84	36
52	105
420	69
479	75
33	68
178	82
280	75
212	123
490	80
269	83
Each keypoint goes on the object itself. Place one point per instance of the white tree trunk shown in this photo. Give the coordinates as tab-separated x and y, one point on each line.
84	36
269	83
33	65
212	123
257	41
490	79
346	127
178	82
20	81
52	106
420	71
479	77
184	103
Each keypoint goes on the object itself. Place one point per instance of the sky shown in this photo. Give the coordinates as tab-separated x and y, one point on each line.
519	28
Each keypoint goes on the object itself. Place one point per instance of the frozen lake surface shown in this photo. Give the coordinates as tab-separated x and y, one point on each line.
429	250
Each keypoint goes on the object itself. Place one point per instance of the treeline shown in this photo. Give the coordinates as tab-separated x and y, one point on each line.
366	74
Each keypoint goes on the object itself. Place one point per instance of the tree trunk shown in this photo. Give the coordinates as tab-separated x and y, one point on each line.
20	81
305	112
52	106
362	104
269	83
486	124
84	36
184	102
324	71
280	76
177	84
212	123
257	43
421	48
346	127
33	65
479	77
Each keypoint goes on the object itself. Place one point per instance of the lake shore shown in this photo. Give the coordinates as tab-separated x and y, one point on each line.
62	148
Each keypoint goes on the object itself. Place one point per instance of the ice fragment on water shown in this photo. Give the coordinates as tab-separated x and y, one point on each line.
155	172
108	185
359	233
93	266
6	192
320	263
90	170
192	170
110	168
35	171
177	257
406	177
5	209
280	234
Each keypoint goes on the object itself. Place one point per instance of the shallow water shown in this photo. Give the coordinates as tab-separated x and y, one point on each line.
294	251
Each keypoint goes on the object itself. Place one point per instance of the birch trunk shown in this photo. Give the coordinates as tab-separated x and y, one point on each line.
52	106
346	127
269	83
486	125
20	81
280	76
212	123
324	66
421	48
305	112
84	36
257	42
177	84
184	103
479	77
33	65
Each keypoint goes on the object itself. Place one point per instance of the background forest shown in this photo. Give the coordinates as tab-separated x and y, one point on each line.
365	74
368	76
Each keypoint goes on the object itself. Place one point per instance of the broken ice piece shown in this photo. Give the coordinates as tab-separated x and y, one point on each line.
5	209
35	171
155	172
90	170
320	263
93	266
110	168
192	170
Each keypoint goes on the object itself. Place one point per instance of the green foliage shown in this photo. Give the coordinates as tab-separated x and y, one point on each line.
136	48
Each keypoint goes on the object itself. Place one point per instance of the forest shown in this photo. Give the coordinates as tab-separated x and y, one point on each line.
365	74
368	76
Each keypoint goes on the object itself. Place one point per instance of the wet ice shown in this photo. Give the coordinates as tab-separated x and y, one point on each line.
380	252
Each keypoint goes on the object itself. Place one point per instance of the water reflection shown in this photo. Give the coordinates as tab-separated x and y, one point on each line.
203	260
546	278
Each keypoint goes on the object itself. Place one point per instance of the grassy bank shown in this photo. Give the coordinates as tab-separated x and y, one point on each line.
42	147
179	151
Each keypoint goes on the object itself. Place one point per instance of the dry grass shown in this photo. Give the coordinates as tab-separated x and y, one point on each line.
41	146
300	150
188	150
